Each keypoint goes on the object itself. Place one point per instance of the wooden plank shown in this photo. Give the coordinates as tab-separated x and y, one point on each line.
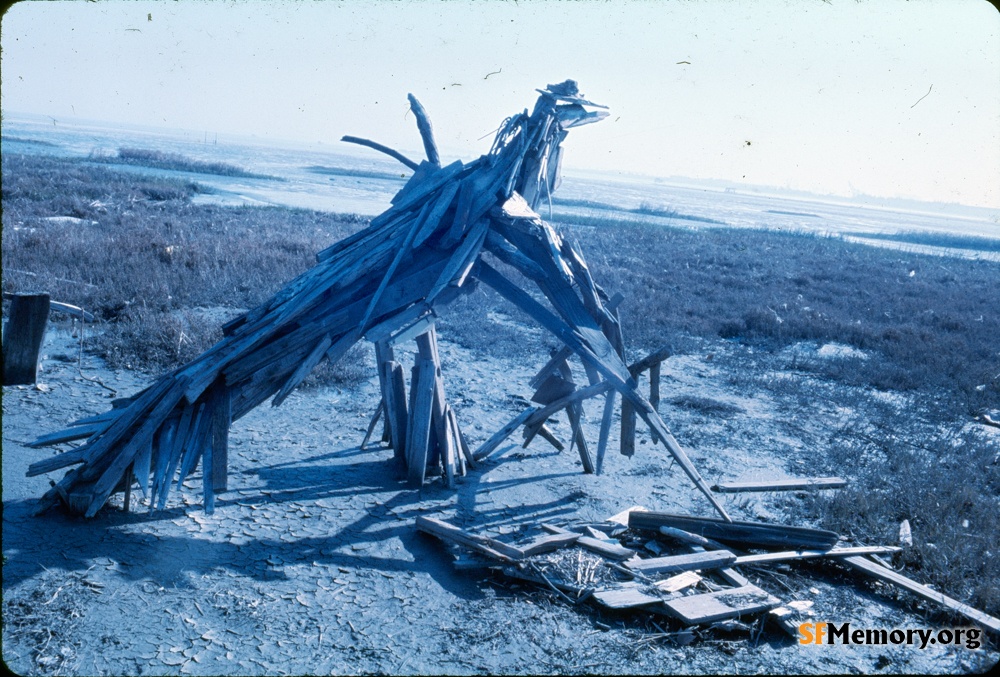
376	417
384	329
449	446
749	533
125	456
624	597
731	576
383	226
396	410
611	550
432	220
548	543
163	447
208	464
462	260
71	310
564	352
491	445
165	478
889	576
127	482
384	354
75	432
717	606
606	420
649	361
654	386
420	174
413	330
547	435
193	444
439	452
412	396
420	422
552	388
541	415
713	559
482	544
304	369
679	582
803	483
691	539
628	429
790	555
98	445
581	273
508	253
140	467
438	179
62	460
22	337
403	250
463	444
574	411
221	421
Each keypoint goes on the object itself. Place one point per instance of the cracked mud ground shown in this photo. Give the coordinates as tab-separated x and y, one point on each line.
311	564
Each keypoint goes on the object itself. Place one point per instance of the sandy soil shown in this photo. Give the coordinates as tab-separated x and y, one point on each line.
311	563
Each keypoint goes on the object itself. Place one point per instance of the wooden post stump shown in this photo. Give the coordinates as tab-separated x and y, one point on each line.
22	338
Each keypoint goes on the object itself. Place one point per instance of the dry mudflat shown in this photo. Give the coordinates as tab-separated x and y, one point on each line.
311	563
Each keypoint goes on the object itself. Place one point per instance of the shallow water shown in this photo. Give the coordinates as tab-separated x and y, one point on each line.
353	189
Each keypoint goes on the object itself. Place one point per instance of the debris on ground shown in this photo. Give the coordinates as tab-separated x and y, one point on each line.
681	567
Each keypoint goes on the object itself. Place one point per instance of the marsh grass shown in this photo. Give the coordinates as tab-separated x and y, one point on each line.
156	159
928	320
945	482
143	254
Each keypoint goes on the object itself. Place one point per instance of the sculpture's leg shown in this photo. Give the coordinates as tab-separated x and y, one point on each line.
591	345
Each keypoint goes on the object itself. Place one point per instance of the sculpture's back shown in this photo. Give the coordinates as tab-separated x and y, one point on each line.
386	281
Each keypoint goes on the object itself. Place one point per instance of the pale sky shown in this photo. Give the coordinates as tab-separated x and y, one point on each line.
883	97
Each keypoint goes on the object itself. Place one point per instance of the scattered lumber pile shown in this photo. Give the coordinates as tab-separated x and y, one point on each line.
387	284
678	566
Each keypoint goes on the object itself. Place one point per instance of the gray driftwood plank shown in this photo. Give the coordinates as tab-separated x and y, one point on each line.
717	606
889	576
712	559
482	544
750	533
804	483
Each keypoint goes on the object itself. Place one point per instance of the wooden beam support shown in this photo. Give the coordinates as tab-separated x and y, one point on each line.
23	334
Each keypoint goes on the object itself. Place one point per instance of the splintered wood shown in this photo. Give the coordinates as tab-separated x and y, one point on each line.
387	284
675	573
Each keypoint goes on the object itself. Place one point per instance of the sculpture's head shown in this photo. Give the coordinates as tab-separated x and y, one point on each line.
569	106
537	137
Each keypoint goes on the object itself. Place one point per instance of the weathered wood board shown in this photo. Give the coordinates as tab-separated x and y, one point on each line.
716	606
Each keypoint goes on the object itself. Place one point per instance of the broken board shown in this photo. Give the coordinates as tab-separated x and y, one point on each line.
717	606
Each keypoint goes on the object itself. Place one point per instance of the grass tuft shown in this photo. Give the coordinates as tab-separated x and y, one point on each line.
175	162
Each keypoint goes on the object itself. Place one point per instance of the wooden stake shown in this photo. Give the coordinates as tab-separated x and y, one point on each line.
22	338
602	443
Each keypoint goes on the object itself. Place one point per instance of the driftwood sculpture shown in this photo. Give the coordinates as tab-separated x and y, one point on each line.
386	284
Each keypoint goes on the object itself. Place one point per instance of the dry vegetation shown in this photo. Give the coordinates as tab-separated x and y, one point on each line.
142	257
172	161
